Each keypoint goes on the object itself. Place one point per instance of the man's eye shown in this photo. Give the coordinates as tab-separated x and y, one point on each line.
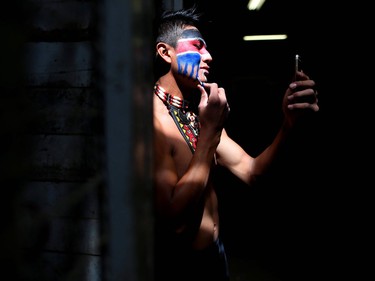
198	45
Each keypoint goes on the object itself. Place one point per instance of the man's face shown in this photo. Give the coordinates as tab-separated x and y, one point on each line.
190	49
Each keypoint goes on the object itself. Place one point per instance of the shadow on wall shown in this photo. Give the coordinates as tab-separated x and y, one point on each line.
15	146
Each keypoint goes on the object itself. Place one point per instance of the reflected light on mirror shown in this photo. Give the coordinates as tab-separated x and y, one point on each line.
255	4
265	37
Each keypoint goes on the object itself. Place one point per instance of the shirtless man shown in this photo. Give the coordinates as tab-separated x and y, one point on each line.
190	141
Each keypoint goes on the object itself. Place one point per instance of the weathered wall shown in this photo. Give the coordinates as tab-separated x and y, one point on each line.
75	140
62	202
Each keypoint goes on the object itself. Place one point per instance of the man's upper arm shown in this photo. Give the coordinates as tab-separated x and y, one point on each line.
164	171
232	156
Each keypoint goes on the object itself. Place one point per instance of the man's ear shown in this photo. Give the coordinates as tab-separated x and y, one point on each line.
163	51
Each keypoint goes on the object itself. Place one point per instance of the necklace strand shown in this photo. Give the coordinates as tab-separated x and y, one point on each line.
170	99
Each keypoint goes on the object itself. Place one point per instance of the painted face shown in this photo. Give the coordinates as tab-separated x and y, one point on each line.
190	48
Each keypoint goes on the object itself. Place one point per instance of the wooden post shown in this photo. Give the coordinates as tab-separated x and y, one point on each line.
125	30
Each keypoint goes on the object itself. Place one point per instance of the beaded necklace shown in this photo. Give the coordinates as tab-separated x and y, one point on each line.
186	120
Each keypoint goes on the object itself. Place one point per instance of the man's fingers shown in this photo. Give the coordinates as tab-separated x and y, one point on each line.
204	95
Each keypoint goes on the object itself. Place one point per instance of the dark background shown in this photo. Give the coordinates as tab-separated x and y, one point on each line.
306	219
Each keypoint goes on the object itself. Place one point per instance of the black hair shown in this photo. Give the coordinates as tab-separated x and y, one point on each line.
169	27
172	23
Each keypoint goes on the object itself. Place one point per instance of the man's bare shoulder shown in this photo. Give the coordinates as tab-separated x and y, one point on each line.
163	122
165	130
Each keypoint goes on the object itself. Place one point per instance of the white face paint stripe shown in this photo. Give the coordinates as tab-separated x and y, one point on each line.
191	39
187	52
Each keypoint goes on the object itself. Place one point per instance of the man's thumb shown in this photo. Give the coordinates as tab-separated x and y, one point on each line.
204	95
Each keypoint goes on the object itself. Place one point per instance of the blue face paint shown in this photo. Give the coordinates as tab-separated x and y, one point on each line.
188	64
